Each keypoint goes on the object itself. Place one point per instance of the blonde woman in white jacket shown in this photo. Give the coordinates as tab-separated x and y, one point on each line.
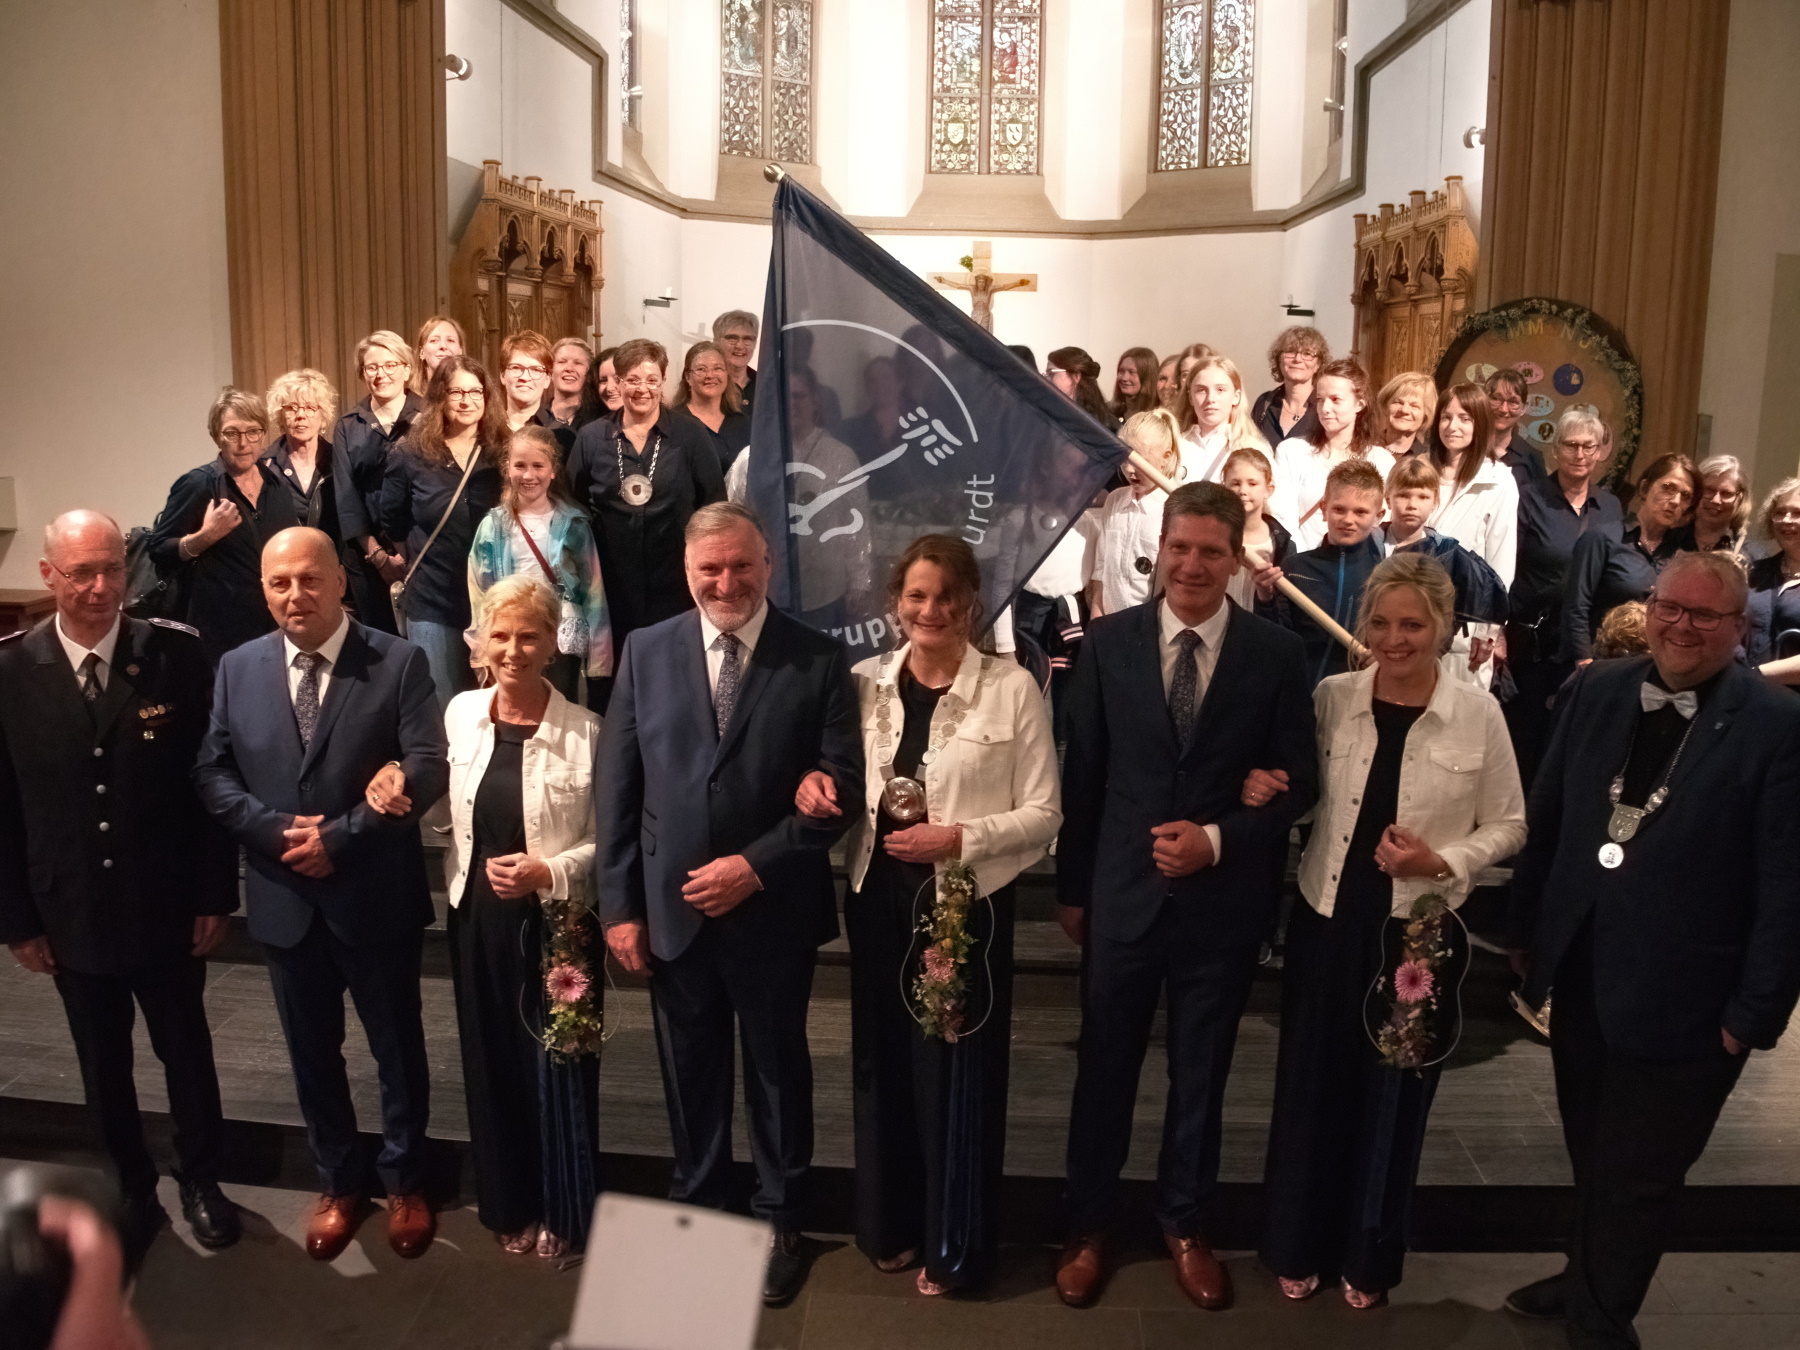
1418	792
525	953
961	765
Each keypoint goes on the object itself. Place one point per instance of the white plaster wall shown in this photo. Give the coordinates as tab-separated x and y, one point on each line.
114	226
1758	217
869	124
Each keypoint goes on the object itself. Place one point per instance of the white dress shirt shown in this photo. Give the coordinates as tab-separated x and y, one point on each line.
1203	457
1484	518
1206	660
1130	528
102	649
747	634
330	649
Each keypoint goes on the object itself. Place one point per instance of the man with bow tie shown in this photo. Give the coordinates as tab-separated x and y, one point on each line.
1658	901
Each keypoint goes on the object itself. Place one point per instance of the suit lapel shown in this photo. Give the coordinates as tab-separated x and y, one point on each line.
1145	679
1711	725
763	658
57	675
350	666
692	660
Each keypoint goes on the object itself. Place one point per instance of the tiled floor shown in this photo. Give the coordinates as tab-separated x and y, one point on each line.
465	1293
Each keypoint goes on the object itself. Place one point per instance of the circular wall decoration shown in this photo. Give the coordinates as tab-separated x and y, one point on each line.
1568	355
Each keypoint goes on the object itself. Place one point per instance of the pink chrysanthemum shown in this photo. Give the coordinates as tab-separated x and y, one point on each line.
938	965
565	984
1413	983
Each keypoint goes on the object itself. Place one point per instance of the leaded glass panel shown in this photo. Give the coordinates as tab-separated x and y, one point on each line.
985	85
1203	73
765	90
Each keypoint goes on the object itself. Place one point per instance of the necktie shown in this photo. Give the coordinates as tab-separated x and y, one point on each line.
1184	702
306	697
89	675
725	695
1654	696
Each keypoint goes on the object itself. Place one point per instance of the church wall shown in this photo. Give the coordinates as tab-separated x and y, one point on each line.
1744	379
114	217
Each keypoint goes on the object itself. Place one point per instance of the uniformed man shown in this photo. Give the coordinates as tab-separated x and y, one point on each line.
113	879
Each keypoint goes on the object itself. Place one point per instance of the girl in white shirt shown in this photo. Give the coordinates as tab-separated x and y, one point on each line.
1341	405
1215	420
1130	524
1478	506
1267	543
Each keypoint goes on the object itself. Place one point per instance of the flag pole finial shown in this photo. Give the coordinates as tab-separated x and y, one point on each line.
774	172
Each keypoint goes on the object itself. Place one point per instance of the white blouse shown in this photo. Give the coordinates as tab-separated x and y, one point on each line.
1484	517
1130	528
1296	497
558	773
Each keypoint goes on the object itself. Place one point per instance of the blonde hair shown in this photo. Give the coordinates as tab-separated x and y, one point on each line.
1412	472
234	402
544	441
1154	434
1712	467
1240	430
521	594
388	342
295	386
1765	518
1625	631
1406	382
1418	572
420	378
1255	458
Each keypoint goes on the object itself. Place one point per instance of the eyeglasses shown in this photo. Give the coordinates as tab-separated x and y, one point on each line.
86	578
1703	620
521	371
1581	449
231	434
465	396
384	368
1786	515
640	385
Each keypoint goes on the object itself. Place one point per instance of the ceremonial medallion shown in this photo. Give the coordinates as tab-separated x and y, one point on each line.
904	799
1144	566
1611	855
635	489
1623	825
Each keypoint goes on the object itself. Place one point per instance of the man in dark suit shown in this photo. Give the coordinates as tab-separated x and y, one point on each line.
708	876
1658	897
302	720
113	879
1165	877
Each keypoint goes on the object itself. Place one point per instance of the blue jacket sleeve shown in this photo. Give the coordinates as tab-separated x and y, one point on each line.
1084	780
424	760
1292	745
353	517
618	806
221	785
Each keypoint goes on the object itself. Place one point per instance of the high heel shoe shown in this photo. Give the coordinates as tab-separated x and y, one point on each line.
928	1288
1299	1289
522	1243
1362	1301
550	1246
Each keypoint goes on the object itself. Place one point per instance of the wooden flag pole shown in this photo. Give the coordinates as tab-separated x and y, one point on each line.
1286	587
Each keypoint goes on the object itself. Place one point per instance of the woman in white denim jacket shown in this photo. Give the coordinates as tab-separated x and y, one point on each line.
1418	793
525	954
975	732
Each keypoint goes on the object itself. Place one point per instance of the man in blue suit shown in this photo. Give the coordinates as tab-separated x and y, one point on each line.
1165	877
302	720
1658	899
708	876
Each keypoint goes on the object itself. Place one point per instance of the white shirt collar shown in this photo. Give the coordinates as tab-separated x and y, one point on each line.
747	633
329	648
102	649
1212	631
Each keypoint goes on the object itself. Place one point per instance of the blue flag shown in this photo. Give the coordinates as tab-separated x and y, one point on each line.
882	412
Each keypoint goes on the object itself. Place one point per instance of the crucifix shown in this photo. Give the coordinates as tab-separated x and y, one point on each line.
982	282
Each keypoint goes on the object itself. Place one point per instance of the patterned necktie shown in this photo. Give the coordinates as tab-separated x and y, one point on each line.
90	677
725	695
306	697
1184	702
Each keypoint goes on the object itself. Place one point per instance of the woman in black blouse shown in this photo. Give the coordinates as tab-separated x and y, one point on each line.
361	443
458	436
641	476
215	523
1604	572
1285	412
708	395
302	404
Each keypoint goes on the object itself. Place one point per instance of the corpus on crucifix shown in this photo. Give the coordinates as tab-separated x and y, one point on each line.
982	282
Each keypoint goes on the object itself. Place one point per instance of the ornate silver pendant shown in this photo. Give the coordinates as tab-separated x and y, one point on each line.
1624	824
1611	855
904	799
636	489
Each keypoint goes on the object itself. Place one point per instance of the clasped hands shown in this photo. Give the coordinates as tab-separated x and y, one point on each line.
816	799
386	795
715	890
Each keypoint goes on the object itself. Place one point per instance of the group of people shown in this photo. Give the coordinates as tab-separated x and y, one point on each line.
561	544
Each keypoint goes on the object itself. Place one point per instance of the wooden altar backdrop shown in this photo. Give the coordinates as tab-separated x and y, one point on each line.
530	258
1415	273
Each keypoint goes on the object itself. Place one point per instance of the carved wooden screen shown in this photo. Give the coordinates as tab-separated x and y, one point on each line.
529	259
1415	270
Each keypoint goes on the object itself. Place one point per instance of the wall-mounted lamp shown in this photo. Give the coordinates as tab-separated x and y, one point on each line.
456	68
1473	137
662	301
1294	311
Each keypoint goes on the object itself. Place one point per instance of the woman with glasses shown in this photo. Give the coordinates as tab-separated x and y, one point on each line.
641	476
1604	572
1507	391
1286	411
1555	514
1722	510
1773	611
361	443
524	375
213	527
1076	376
707	397
301	405
447	473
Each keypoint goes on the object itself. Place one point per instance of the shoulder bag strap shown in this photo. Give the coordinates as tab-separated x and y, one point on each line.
536	552
450	510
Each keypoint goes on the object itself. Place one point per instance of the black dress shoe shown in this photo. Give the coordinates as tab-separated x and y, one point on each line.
212	1216
787	1268
1541	1299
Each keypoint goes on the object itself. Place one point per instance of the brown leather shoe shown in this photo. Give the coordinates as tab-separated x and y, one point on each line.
1199	1273
333	1224
411	1225
1081	1271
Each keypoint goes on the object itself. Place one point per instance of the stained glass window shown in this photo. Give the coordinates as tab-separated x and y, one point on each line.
1204	63
986	74
631	92
765	90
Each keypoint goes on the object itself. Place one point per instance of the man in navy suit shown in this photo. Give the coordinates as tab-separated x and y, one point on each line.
1165	878
302	720
708	876
1658	899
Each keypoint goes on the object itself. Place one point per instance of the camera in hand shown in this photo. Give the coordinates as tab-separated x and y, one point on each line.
34	1271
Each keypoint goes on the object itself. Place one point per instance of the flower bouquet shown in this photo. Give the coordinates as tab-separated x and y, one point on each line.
1413	1011
940	987
574	1022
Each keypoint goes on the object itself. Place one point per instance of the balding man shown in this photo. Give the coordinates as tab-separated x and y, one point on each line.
1658	899
113	879
302	721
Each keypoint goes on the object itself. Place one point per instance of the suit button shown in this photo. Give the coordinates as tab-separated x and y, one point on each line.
715	787
104	827
306	785
106	862
98	752
100	788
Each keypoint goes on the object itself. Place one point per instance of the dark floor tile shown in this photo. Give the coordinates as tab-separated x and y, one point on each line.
855	1322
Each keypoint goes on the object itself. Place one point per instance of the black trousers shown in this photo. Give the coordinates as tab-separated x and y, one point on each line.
1529	716
695	1001
1207	974
310	980
102	1010
1633	1128
369	594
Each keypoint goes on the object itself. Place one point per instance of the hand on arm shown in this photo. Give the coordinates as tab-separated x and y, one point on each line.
816	798
1181	848
386	793
721	886
306	848
1262	785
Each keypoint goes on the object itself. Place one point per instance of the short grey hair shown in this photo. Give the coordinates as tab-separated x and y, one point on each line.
1579	417
234	402
1722	566
736	318
718	517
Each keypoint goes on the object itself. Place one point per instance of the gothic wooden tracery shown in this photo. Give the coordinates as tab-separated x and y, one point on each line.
986	85
765	79
1415	270
530	258
1204	60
